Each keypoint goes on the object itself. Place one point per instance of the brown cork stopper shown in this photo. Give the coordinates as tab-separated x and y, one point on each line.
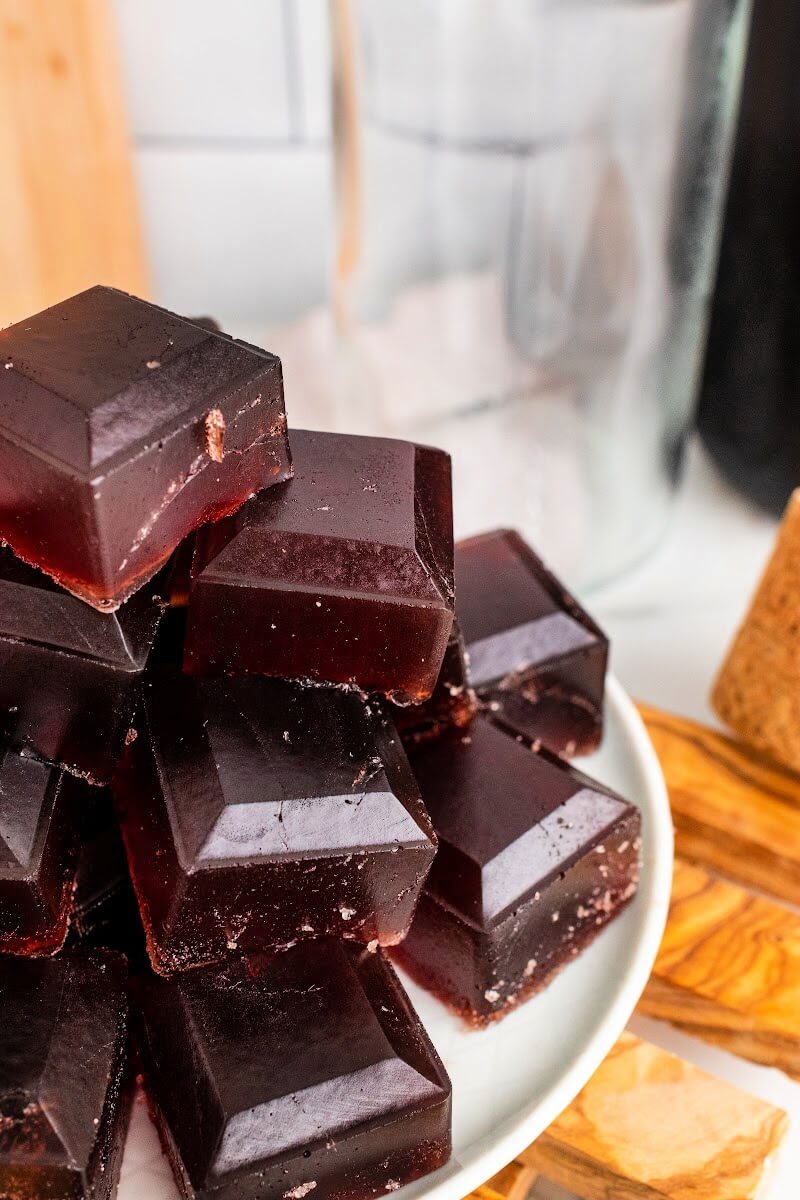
757	692
215	434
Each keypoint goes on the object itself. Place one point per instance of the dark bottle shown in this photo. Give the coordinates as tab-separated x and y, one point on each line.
749	415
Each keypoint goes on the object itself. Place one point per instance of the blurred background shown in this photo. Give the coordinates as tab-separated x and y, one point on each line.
556	237
493	227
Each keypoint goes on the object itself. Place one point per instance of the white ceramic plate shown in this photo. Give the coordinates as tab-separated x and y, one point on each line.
511	1080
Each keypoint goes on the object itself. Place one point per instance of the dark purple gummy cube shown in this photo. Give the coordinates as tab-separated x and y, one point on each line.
534	858
67	672
259	811
271	1079
65	1085
39	813
122	428
452	704
536	658
346	571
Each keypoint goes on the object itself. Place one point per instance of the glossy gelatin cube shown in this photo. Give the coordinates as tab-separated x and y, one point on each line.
65	1083
67	671
346	571
537	659
534	858
122	428
270	1079
257	811
39	815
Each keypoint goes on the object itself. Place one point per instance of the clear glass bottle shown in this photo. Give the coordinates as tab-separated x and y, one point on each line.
528	208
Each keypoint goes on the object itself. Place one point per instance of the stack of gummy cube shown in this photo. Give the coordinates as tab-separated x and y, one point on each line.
262	728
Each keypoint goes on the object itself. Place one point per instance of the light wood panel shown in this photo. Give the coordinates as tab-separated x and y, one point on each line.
728	970
734	810
68	211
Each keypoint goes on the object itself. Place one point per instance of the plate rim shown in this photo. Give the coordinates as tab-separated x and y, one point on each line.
474	1171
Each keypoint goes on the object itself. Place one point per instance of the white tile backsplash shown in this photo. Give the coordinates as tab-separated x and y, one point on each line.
229	108
241	235
198	69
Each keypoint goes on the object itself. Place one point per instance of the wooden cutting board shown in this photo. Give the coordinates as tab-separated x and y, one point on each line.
67	197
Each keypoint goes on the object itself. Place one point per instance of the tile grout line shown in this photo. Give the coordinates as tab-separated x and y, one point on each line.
293	68
227	145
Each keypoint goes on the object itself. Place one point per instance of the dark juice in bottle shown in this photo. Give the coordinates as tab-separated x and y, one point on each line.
749	413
